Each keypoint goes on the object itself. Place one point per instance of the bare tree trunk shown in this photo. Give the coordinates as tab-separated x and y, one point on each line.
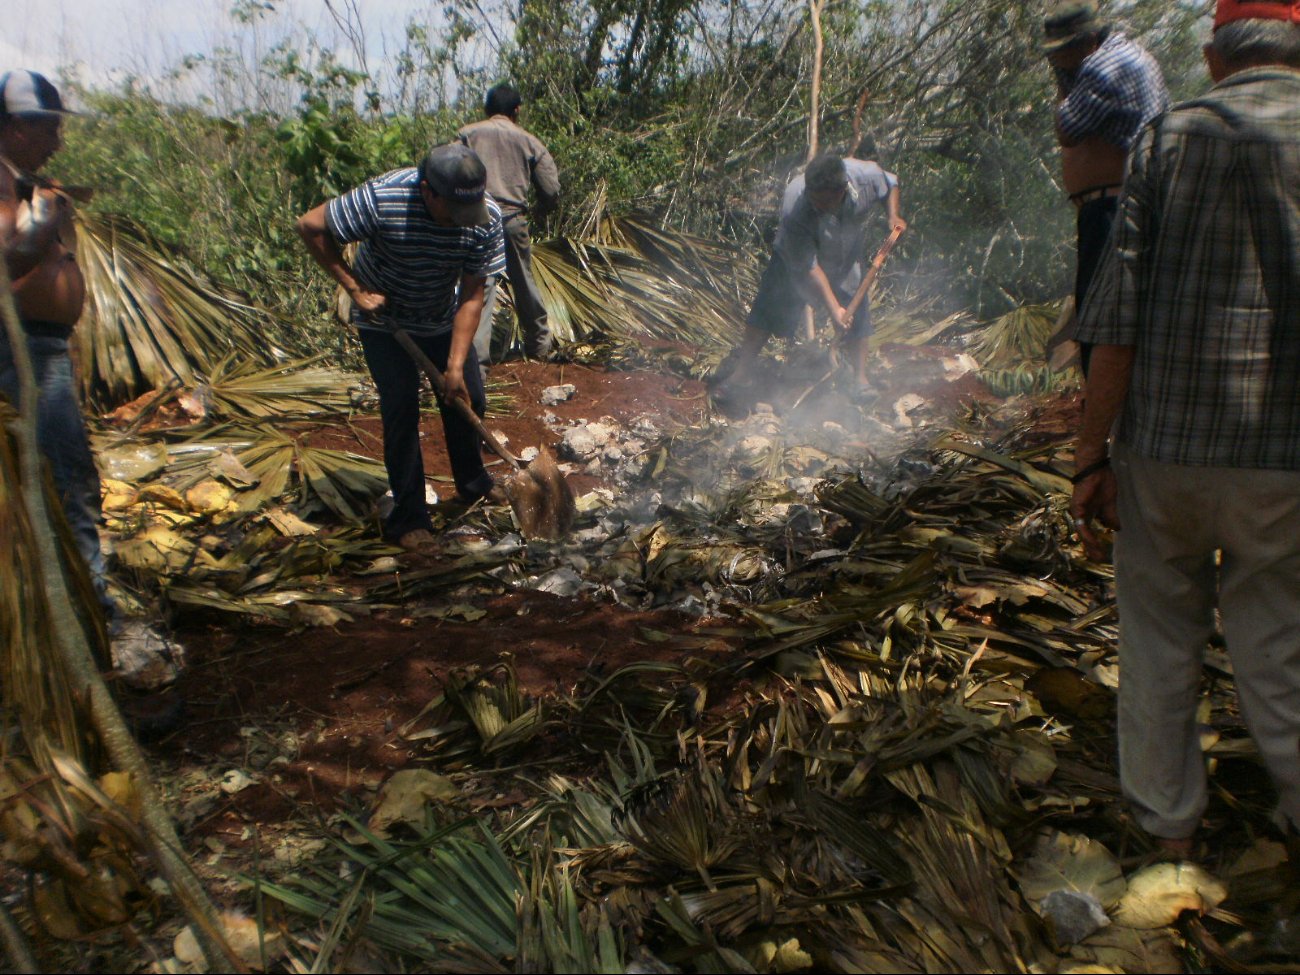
857	119
77	659
814	109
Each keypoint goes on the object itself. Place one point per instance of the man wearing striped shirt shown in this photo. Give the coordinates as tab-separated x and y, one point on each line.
1195	316
1108	87
427	237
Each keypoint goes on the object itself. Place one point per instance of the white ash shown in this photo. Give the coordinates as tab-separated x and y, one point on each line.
644	426
958	366
905	408
563	581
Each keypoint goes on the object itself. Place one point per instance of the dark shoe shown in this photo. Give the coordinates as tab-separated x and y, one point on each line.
496	495
152	715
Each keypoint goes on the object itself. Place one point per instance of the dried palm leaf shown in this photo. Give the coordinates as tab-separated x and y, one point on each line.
503	717
151	319
683	819
1018	337
240	389
281	464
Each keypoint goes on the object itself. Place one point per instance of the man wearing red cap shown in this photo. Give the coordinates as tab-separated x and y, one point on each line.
1195	320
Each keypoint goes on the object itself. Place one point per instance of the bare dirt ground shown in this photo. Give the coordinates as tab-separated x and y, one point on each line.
317	709
337	694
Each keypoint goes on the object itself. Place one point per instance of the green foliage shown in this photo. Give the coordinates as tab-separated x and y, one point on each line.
694	110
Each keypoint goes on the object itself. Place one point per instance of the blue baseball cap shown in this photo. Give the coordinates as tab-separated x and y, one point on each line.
29	93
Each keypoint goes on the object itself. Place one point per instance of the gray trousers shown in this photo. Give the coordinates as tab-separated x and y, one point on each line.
1174	519
529	310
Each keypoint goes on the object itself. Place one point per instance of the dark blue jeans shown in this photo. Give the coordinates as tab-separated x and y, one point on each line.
1094	222
61	432
398	380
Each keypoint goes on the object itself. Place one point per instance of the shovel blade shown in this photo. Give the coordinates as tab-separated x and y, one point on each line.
541	498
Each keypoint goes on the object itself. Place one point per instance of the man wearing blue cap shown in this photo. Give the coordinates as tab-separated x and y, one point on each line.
49	291
428	236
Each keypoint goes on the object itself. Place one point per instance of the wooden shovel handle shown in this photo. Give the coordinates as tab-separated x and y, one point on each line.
869	278
440	388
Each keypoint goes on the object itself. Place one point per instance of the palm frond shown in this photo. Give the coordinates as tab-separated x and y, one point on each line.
151	319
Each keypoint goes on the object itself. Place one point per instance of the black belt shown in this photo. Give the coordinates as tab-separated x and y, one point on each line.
1095	193
47	330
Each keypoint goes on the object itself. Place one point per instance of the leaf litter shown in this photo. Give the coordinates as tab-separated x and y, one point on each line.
864	724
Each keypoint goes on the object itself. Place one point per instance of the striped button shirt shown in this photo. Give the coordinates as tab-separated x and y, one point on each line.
1118	89
402	254
1203	278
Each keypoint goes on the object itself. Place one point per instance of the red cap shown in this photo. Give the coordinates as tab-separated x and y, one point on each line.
1230	10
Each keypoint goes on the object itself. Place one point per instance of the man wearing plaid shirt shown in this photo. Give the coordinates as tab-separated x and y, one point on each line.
1195	316
1108	87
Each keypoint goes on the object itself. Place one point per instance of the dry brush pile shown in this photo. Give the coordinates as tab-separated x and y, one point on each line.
888	746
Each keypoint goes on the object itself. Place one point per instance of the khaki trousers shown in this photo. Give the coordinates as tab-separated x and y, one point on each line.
530	312
1173	521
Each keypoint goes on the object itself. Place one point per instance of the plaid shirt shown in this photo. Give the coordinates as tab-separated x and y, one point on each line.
1203	278
1118	89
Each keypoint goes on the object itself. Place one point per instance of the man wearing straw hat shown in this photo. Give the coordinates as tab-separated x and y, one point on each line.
1195	320
1108	87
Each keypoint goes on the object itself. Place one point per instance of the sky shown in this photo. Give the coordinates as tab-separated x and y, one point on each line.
103	42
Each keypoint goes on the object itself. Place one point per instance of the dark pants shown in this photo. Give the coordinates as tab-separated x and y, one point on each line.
780	301
529	309
398	380
1094	222
61	433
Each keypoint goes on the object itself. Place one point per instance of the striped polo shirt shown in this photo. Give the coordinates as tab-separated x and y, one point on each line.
407	257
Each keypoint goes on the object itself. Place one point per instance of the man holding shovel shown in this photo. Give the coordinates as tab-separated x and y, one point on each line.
818	258
428	236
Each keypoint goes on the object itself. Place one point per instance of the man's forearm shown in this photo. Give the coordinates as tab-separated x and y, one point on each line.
325	250
33	230
1109	373
821	285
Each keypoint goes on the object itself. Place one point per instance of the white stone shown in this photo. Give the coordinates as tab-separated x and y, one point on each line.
552	395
